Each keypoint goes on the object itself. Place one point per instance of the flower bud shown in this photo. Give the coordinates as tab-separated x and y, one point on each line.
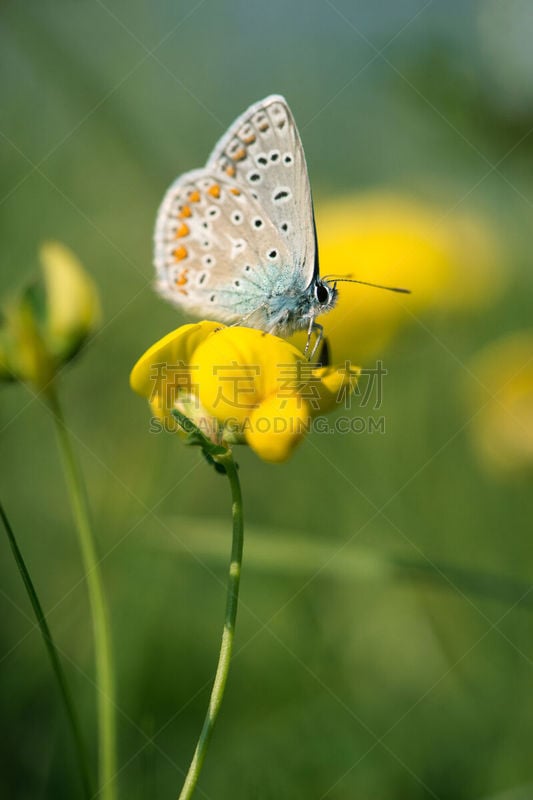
49	321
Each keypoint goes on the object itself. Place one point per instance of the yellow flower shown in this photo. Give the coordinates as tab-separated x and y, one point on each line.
73	304
502	430
448	261
238	385
49	321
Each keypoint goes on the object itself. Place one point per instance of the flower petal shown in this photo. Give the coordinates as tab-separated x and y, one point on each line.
244	385
238	368
173	349
72	302
335	385
277	426
502	399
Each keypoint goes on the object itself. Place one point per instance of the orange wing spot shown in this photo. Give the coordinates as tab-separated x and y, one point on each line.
180	253
182	291
182	279
250	139
194	196
214	191
239	154
185	212
235	191
183	230
231	171
263	126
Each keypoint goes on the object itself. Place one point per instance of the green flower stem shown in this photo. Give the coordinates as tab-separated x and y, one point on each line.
228	632
105	696
72	717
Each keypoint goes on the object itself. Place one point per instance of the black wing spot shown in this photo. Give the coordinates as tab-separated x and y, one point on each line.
281	194
262	160
258	222
285	226
273	254
287	159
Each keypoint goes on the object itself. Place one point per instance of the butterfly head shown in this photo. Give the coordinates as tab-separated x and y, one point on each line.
318	299
294	311
323	296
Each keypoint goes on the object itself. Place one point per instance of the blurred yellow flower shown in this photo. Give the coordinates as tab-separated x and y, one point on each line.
502	430
448	261
49	321
73	304
239	385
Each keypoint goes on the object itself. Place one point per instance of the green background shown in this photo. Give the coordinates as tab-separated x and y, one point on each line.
383	649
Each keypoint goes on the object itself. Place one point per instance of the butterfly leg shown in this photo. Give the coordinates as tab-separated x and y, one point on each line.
310	329
319	331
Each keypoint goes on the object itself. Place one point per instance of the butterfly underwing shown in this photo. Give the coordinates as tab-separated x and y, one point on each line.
235	241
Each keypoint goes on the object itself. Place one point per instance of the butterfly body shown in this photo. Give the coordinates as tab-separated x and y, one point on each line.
235	241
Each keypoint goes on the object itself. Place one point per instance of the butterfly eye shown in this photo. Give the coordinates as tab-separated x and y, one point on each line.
321	293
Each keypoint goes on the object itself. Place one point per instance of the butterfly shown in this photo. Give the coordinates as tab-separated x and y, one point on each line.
236	241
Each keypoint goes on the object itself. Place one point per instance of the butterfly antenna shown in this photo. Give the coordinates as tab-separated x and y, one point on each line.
340	279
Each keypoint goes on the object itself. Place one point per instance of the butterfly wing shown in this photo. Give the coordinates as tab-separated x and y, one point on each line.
216	251
240	232
263	151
